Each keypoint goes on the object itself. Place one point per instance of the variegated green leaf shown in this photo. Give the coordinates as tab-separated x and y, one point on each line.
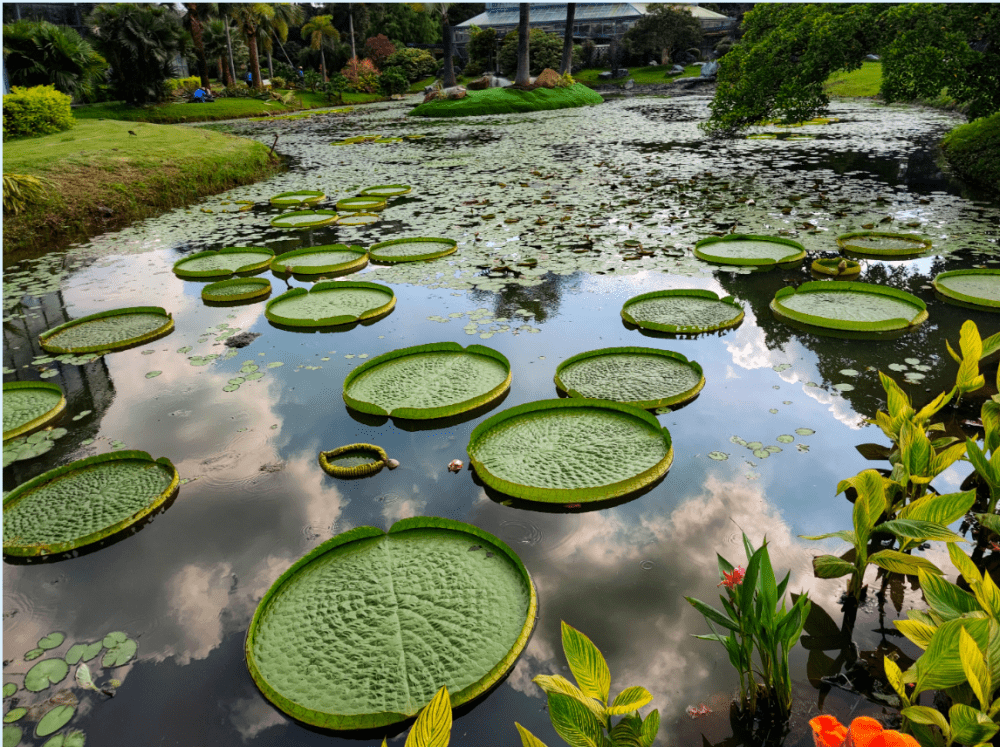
896	399
931	408
929	716
574	722
830	566
527	738
650	728
964	565
975	669
895	676
915	449
942	509
919	530
990	345
970	726
945	598
628	700
940	666
899	562
556	683
988	596
586	663
918	632
971	345
433	725
844	534
944	459
990	521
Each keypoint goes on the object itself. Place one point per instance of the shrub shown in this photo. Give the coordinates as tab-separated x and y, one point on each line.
30	112
482	50
38	53
546	51
187	84
377	49
278	82
393	81
20	191
974	151
415	63
312	79
362	76
587	53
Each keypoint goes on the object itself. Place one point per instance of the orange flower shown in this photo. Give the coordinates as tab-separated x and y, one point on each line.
864	732
828	732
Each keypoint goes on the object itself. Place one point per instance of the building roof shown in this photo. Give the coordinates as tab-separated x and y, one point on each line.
508	14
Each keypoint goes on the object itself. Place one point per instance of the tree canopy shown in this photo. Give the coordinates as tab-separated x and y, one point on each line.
662	29
38	53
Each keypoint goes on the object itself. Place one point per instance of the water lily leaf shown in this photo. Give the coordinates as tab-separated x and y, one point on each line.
82	415
761	453
781	367
118	328
785	439
644	377
12	736
275	364
224	262
45	673
682	311
69	739
878	244
153	374
120	649
305	663
9	689
749	250
331	260
805	431
754	445
738	441
330	303
849	307
412	249
29	405
849	372
52	640
54	720
83	652
719	456
33	654
14	714
978	288
83	677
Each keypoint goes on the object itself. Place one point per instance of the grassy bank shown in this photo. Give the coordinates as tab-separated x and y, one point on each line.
653	74
102	177
508	101
857	83
973	150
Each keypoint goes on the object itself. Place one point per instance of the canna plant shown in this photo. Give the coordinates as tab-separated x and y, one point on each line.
986	461
581	713
433	725
972	349
756	624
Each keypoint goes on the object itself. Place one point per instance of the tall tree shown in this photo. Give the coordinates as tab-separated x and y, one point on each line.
38	53
441	9
662	32
276	29
350	22
216	50
567	55
248	17
523	76
316	31
193	22
231	65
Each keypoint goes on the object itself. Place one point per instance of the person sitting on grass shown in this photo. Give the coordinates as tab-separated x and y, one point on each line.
202	95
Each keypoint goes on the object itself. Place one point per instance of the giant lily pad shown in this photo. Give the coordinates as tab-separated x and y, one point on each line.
224	262
359	219
978	288
748	250
298	197
108	330
428	381
84	501
334	259
364	204
30	405
411	250
686	311
644	377
237	289
305	219
878	244
362	631
353	460
570	450
836	267
385	190
849	306
331	303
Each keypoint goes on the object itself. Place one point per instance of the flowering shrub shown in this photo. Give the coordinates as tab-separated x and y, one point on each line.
378	48
362	76
864	732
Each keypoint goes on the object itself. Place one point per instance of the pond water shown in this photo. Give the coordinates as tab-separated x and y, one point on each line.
565	188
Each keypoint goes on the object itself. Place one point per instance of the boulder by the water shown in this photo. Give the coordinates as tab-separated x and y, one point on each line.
432	87
709	68
629	84
455	93
548	78
676	70
478	84
432	95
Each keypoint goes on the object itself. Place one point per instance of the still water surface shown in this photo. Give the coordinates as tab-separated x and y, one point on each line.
186	584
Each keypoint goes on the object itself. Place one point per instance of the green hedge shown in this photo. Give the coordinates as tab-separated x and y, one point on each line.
31	112
509	100
973	150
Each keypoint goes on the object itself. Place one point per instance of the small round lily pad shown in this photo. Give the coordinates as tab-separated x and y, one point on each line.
84	501
353	460
428	381
362	631
836	267
333	259
12	736
385	190
120	649
366	204
298	197
412	250
14	714
108	330
749	250
331	303
975	288
570	450
849	306
224	262
884	245
237	289
30	405
305	219
645	377
9	688
684	311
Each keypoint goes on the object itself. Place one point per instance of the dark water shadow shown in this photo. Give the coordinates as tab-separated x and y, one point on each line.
243	302
673	408
562	508
657	335
433	424
844	334
332	328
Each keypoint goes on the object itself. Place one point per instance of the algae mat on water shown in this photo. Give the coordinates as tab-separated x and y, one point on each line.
644	377
749	250
570	450
224	262
84	501
28	405
687	311
978	288
849	307
108	330
428	381
362	631
331	303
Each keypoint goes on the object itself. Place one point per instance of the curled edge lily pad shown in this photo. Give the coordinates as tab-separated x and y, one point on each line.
683	311
46	514
237	289
645	377
120	649
365	204
385	190
353	460
896	244
332	259
45	673
570	450
320	667
849	306
221	263
412	249
298	197
305	219
836	267
73	738
975	288
424	382
30	405
108	330
54	720
749	250
331	303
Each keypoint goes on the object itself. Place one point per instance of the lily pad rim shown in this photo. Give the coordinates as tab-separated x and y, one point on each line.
796	256
824	286
280	267
209	292
683	328
843	240
250	267
822	266
42	420
332	321
366	203
329	217
976	301
361	470
146	337
373	249
315	196
402	190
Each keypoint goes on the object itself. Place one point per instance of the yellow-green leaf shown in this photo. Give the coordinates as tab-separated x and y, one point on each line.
433	726
586	663
918	632
628	700
964	565
527	738
895	676
975	669
572	721
929	716
556	683
899	562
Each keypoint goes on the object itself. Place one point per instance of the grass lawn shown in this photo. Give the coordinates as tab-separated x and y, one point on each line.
101	177
864	82
508	101
641	75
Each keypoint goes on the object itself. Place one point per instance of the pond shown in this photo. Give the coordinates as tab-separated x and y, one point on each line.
566	188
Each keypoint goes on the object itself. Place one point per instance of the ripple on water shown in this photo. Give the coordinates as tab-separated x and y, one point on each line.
520	532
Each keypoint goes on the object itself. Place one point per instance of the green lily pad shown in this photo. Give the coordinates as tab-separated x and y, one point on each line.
412	250
331	303
69	739
785	438
108	330
844	387
334	259
688	311
570	450
719	456
836	267
120	649
305	219
805	431
224	262
364	204
353	460
33	654
85	501
878	244
30	405
359	219
83	652
236	289
428	381
849	372
362	631
9	689
975	288
745	250
12	736
52	640
45	673
14	714
298	197
385	190
54	720
645	377
849	306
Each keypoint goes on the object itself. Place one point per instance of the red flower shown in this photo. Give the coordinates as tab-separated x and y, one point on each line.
733	578
864	732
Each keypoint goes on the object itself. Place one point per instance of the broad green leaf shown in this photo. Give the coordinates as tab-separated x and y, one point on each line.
919	632
556	683
628	700
14	714
964	565
970	726
971	345
990	521
44	673
52	640
982	465
627	733
527	738
120	649
942	509
574	722
650	728
9	689
975	668
895	677
945	598
768	586
990	415
869	505
12	736
920	531
844	534
586	663
54	720
940	666
932	407
712	614
433	725
900	562
830	566
896	399
943	460
915	449
83	652
990	345
929	716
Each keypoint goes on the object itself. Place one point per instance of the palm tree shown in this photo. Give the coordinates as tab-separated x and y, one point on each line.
276	28
523	76
567	55
38	53
248	17
316	30
216	49
231	66
193	23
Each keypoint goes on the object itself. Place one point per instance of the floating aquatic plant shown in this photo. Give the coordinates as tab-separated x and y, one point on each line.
331	303
849	306
428	381
353	460
335	641
975	288
836	267
224	262
364	204
749	250
30	405
84	501
298	197
353	219
332	259
108	330
570	450
412	250
645	377
385	190
879	244
686	311
305	219
237	289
